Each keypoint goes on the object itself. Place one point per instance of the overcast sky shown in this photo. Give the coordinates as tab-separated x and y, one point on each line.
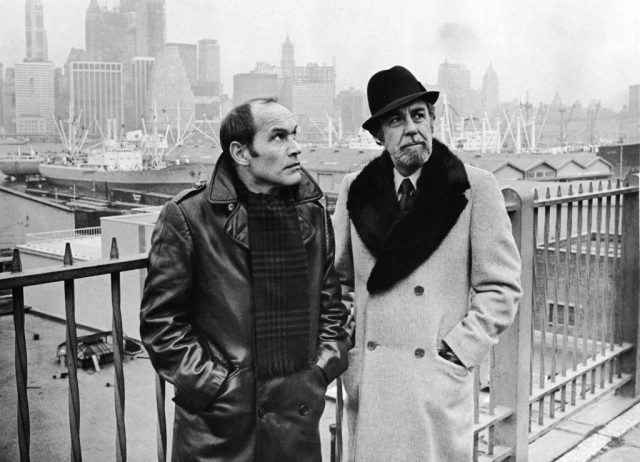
583	49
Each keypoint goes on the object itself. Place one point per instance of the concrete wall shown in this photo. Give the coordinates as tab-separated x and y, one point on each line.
22	214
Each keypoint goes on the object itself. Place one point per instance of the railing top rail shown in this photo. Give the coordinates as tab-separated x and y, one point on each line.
567	198
65	233
76	271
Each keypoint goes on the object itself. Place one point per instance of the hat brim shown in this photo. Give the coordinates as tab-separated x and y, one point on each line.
430	96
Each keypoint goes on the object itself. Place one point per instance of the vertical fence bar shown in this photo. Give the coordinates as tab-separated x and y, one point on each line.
24	422
162	419
556	287
534	285
590	306
118	343
579	295
72	361
513	351
617	251
631	282
600	318
545	305
607	266
567	285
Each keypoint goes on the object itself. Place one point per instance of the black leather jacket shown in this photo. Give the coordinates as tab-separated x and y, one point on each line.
196	322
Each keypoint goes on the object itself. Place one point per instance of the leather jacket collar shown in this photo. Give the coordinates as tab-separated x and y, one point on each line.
222	190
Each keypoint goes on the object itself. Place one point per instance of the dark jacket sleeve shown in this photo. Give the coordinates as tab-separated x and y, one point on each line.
333	340
175	350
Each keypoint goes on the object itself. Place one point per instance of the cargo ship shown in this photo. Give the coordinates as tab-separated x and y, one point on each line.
136	161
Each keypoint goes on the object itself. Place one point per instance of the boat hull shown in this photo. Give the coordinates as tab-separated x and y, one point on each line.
168	180
19	167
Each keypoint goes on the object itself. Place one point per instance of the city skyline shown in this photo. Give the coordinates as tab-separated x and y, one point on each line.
577	49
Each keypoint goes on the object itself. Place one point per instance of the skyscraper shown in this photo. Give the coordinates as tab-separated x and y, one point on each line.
142	75
254	85
352	104
101	29
634	98
170	87
9	100
287	64
313	99
36	35
96	93
455	81
188	53
150	27
208	61
35	100
490	99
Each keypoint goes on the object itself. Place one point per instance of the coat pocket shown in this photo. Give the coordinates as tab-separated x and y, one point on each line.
188	401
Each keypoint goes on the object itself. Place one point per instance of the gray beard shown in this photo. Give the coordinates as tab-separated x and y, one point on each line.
413	157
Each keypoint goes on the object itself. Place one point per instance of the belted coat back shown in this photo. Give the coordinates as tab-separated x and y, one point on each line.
197	324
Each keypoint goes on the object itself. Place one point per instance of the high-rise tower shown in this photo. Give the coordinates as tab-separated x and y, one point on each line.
101	26
36	35
490	92
287	63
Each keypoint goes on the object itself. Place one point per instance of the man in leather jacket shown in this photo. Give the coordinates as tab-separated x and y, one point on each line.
241	309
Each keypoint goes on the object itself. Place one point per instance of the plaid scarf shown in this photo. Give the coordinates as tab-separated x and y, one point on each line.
280	285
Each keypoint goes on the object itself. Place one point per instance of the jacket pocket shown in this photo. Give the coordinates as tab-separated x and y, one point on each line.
189	401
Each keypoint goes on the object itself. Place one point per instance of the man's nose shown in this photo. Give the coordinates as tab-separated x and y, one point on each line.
294	148
410	126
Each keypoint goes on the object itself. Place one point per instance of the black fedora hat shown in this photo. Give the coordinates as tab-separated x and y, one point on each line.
392	88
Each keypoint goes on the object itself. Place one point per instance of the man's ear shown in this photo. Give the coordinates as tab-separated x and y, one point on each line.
239	153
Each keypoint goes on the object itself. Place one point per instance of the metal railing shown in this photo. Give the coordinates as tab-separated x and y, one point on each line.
572	340
63	234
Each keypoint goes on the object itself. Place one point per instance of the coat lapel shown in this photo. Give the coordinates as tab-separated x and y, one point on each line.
401	243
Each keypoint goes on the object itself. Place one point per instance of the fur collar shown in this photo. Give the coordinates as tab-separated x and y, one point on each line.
402	243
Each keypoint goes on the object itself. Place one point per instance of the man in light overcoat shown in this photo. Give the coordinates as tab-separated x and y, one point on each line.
425	244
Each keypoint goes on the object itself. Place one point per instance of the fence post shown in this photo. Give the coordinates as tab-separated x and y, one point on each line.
630	279
511	382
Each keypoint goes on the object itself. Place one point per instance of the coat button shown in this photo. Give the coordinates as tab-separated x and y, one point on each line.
231	207
419	353
303	410
371	345
418	290
262	412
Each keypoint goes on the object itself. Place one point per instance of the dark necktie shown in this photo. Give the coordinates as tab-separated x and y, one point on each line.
406	189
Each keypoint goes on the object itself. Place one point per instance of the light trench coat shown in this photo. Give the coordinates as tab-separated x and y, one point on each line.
404	402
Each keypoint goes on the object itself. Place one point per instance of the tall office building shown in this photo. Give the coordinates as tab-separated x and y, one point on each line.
188	53
208	61
287	65
170	87
455	81
352	106
35	33
142	76
9	101
105	31
149	26
35	98
634	98
96	94
313	101
61	94
254	85
490	97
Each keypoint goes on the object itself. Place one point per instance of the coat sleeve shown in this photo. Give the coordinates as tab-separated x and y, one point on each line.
165	315
495	274
333	340
341	223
